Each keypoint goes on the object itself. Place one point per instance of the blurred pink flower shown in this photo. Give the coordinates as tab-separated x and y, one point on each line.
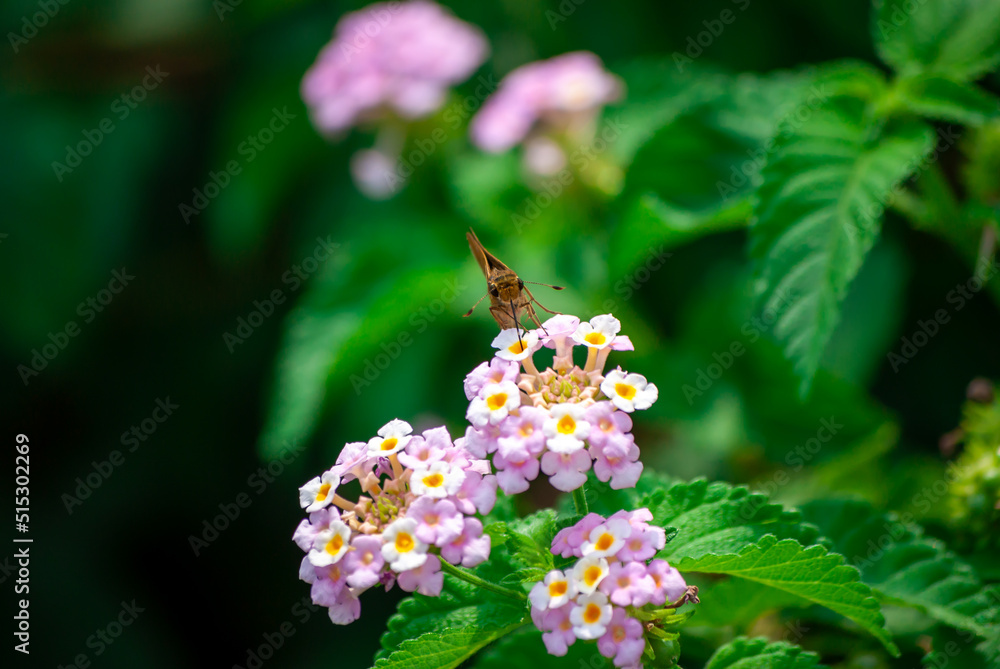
400	57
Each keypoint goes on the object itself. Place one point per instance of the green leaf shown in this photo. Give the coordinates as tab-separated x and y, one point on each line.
744	653
528	540
443	650
945	99
898	561
811	573
460	605
734	601
718	518
957	38
818	214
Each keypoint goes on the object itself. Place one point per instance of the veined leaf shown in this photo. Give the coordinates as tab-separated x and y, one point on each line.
811	573
913	570
818	214
944	99
744	653
443	650
527	539
957	38
718	518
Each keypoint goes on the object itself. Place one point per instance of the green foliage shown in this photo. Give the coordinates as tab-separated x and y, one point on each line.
443	650
818	214
812	573
743	653
945	99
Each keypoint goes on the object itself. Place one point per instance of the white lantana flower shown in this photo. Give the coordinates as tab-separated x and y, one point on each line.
588	573
629	392
516	345
590	616
392	438
494	403
599	332
607	539
318	493
400	546
566	429
331	544
439	480
553	592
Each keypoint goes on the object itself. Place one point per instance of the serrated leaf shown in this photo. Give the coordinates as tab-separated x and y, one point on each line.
958	38
527	575
443	650
744	653
818	214
898	561
528	540
719	518
459	605
944	99
811	573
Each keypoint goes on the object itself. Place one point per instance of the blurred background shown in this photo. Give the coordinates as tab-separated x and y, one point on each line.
209	360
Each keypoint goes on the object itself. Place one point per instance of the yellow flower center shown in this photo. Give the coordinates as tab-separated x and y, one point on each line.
604	542
389	444
517	347
494	402
435	480
592	575
334	545
404	543
324	490
618	633
595	338
527	429
625	390
368	557
605	425
566	425
557	589
591	614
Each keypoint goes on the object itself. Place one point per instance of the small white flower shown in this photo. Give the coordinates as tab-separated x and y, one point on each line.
629	392
331	544
566	429
514	344
553	592
599	332
588	573
319	492
400	546
590	616
392	438
494	403
441	479
607	539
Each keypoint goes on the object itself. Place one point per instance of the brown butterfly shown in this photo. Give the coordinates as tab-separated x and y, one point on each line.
509	297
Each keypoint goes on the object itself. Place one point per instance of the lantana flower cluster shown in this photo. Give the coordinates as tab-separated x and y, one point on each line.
611	594
420	496
560	421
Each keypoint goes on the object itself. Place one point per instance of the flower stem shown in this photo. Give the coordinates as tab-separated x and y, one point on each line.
469	577
580	501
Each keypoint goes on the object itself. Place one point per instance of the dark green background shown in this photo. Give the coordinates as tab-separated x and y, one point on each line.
163	336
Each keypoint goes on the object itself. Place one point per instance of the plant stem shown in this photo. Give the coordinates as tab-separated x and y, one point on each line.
469	577
580	501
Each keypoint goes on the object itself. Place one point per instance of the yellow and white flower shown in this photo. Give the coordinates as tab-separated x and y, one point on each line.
629	392
516	345
319	492
599	332
392	438
588	573
400	546
441	479
590	616
494	403
607	539
331	544
553	592
566	429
